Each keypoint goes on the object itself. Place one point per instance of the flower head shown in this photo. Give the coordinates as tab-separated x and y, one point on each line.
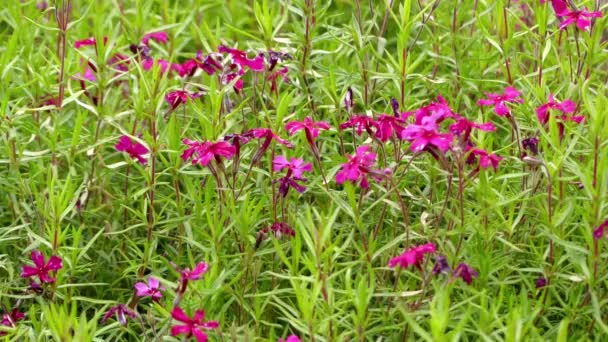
296	167
413	256
426	135
133	148
541	282
358	167
277	229
485	159
192	327
361	123
240	58
566	107
465	272
581	18
530	144
290	338
88	42
177	97
10	319
499	101
121	311
387	124
41	268
159	37
204	152
152	289
463	127
441	265
310	127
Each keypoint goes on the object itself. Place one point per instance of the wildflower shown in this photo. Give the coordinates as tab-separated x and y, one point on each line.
566	107
358	167
438	110
273	58
511	95
600	231
465	272
395	106
209	63
159	37
121	311
237	140
203	152
581	18
386	124
282	73
310	128
530	144
413	256
175	98
278	229
187	275
11	318
541	282
463	127
485	159
268	136
290	338
426	135
88	42
42	268
148	64
194	326
151	289
133	148
441	265
240	58
360	123
296	167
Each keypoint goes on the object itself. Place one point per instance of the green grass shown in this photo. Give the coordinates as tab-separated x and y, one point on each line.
62	182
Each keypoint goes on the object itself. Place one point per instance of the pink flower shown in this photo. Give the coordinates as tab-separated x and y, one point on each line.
296	167
358	167
278	230
360	123
194	326
121	311
148	64
290	338
274	76
240	58
600	231
425	135
485	159
88	42
210	63
151	289
160	37
267	135
566	107
187	68
559	6
204	152
310	127
463	127
386	124
11	318
186	275
466	272
439	111
511	95
41	268
580	18
413	256
133	148
177	97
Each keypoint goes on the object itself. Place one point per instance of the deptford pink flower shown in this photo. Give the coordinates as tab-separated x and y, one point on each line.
187	68
177	97
192	327
287	182
463	127
88	42
441	265
159	37
277	229
290	338
435	111
296	167
133	148
425	135
395	106
152	289
581	18
361	123
310	127
41	268
121	311
11	318
541	282
600	231
386	125
566	107
267	135
485	159
240	58
358	167
204	152
230	77
511	95
210	63
413	256
466	272
187	275
560	6
237	140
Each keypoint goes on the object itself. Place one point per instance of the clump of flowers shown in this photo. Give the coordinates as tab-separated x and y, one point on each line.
466	272
500	101
358	167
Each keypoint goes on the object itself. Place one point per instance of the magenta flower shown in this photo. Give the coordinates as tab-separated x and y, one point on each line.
441	265
152	289
439	111
296	167
240	58
159	37
386	125
426	135
42	268
276	75
119	62
485	159
186	275
194	326
278	230
463	127
88	42
204	152
310	128
133	148
361	123
268	136
121	311
600	231
541	282
511	95
177	97
10	319
465	272
358	167
566	107
290	338
413	256
210	63
530	144
581	18
148	64
187	68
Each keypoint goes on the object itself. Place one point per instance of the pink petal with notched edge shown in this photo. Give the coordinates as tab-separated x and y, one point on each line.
55	263
28	271
199	335
180	330
142	289
180	315
38	258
